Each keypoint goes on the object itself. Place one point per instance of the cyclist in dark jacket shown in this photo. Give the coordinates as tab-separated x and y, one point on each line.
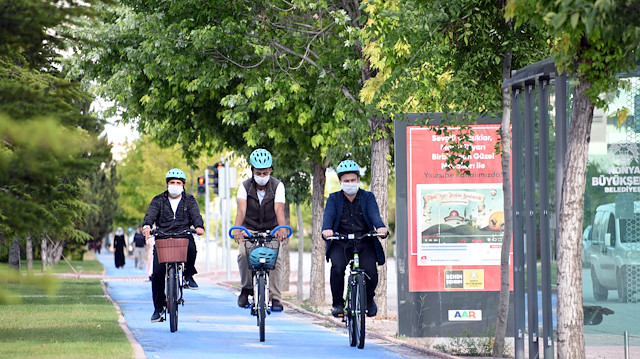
172	211
352	210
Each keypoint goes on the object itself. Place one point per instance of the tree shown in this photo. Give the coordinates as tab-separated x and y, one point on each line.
48	134
594	41
451	57
236	72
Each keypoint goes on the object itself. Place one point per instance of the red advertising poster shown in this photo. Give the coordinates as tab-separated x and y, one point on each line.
456	221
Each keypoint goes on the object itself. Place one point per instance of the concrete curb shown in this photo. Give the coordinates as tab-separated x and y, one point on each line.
138	352
338	323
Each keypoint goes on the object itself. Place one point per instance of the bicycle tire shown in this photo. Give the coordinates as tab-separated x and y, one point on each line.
172	296
349	312
261	305
360	310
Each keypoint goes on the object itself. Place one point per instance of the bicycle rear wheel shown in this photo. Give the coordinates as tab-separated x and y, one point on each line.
359	310
262	304
172	296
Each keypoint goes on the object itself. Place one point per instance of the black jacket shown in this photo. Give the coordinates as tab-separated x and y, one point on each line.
160	213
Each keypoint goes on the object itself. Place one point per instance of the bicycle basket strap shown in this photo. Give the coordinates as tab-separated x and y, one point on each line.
263	257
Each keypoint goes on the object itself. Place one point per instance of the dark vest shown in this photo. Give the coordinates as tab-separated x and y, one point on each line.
260	216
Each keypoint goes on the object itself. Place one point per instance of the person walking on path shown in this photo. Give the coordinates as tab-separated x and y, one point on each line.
118	248
261	201
172	211
139	250
352	210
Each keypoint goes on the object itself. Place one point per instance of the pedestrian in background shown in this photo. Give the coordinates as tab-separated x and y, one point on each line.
139	250
118	246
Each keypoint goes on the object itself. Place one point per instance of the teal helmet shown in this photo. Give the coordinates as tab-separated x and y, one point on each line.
176	173
263	257
261	158
348	166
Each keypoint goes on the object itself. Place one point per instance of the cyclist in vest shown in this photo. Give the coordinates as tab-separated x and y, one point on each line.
352	210
172	211
260	207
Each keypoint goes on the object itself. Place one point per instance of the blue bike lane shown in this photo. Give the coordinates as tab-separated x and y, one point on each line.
212	326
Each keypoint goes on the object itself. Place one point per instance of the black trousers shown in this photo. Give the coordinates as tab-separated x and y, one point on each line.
340	254
160	273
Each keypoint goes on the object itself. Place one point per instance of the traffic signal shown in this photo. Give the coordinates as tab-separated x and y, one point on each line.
201	185
213	176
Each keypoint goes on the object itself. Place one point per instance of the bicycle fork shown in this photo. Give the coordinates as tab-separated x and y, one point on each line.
267	300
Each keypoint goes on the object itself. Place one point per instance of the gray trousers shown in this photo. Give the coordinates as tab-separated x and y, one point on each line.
246	279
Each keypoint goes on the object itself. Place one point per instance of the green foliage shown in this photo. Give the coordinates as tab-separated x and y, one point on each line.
49	143
236	75
593	40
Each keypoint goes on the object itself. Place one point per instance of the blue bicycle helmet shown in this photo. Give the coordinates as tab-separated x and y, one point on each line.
348	166
261	158
263	257
176	173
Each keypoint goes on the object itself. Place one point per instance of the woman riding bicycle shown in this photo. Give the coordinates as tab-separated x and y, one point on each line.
352	210
172	211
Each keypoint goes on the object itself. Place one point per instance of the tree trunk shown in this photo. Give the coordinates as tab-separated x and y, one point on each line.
44	253
14	254
285	252
505	136
300	295
380	150
570	315
29	254
51	252
317	294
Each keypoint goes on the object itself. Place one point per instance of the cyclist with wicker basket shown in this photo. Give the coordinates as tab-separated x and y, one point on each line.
172	211
261	201
352	210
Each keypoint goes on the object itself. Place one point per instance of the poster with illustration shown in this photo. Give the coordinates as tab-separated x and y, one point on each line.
459	224
455	218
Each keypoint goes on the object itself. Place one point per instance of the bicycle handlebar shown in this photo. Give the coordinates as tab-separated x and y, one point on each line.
256	234
156	232
338	237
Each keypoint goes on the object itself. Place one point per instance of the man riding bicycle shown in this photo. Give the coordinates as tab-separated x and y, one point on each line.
261	201
172	211
352	210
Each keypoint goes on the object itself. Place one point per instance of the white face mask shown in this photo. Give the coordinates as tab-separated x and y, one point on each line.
261	181
174	190
349	187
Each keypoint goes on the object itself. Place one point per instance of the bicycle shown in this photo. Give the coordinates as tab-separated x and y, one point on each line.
173	252
262	258
355	305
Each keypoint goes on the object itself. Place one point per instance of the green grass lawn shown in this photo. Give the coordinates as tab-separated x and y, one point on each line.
75	320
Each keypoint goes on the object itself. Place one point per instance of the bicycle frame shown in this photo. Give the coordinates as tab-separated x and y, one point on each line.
355	300
260	305
173	279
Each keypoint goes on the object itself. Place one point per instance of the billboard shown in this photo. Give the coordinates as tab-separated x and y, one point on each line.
455	221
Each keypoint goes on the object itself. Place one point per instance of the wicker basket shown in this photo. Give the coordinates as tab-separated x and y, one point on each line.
172	249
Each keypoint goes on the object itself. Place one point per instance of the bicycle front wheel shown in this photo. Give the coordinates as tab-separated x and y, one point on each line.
360	307
349	312
172	296
262	305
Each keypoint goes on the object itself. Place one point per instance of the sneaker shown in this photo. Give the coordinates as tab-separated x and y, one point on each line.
276	306
243	298
157	316
189	283
372	309
338	311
